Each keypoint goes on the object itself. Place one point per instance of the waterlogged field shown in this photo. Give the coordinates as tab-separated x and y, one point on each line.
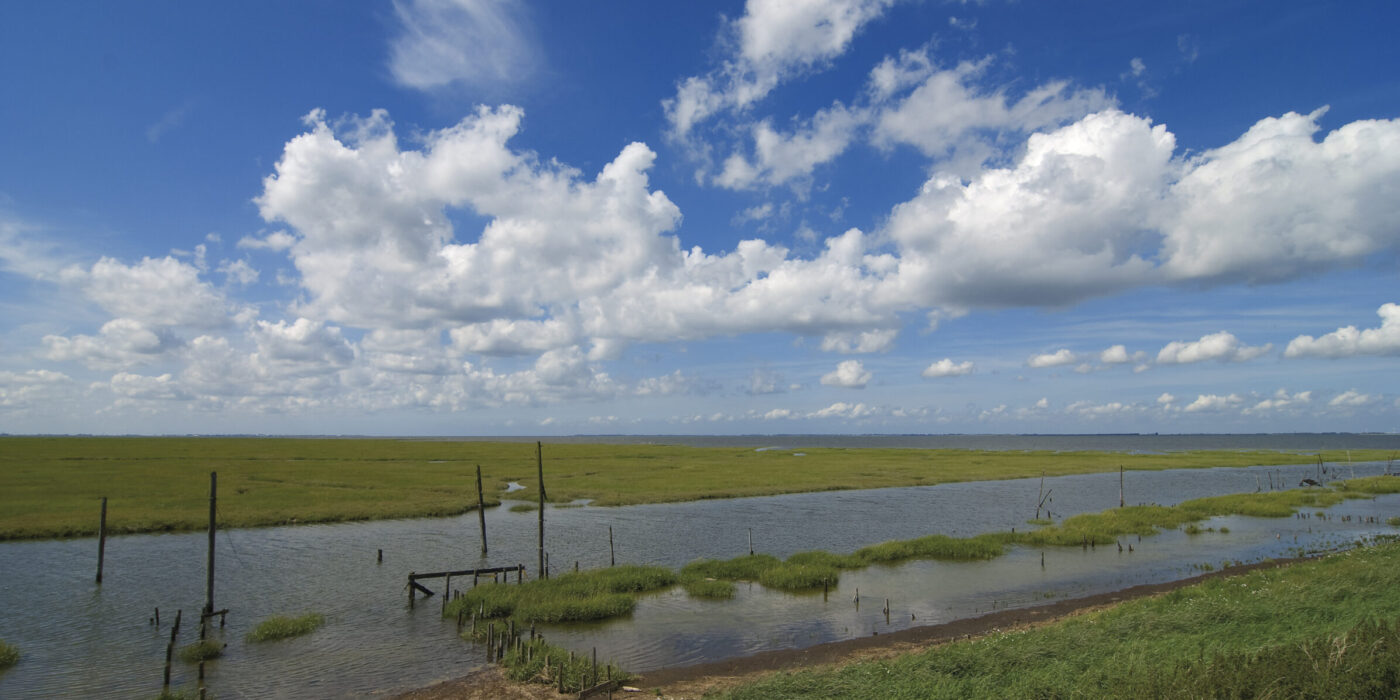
51	487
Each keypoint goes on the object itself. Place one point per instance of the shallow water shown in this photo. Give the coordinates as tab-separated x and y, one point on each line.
78	639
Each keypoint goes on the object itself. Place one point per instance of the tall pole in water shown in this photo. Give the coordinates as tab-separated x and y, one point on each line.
481	509
213	496
539	462
101	539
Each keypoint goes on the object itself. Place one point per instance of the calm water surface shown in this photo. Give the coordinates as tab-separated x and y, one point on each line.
81	640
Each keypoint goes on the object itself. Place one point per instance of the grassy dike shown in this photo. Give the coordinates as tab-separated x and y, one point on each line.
1324	628
51	486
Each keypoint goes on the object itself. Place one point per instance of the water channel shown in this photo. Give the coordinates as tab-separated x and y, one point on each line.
78	639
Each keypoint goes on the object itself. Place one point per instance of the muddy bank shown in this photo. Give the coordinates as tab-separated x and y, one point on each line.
694	681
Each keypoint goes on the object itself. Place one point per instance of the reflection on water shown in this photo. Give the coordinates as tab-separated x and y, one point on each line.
79	639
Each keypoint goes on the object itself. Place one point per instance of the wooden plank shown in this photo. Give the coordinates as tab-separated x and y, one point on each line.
603	688
420	588
465	572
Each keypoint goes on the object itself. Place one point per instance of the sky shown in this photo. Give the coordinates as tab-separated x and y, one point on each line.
489	217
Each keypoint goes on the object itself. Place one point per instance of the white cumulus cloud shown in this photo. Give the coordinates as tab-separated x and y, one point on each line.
1348	341
1222	347
850	374
1063	356
946	367
1214	402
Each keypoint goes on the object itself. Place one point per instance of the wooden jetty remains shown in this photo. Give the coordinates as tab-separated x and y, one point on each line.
414	587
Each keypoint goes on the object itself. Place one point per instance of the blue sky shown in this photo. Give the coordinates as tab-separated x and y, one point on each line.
857	216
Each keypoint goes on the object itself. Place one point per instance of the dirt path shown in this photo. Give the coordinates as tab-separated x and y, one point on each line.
687	682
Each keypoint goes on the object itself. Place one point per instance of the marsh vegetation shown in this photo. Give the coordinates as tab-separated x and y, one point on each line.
286	627
1324	628
49	485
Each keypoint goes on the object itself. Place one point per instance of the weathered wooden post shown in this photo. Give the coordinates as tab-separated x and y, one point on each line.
101	538
213	497
539	462
612	553
750	541
1040	498
481	509
170	648
1120	486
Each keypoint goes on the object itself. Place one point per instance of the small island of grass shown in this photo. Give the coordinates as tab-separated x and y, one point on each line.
9	655
284	627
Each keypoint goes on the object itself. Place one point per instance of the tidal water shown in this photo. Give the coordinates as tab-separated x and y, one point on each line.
78	639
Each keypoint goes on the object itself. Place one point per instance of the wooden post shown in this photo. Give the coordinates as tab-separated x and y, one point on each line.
101	538
170	648
1040	498
213	497
750	541
1120	486
481	509
380	557
612	553
539	462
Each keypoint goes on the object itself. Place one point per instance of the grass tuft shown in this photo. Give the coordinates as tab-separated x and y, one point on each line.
745	568
713	589
799	577
940	547
539	662
202	651
573	597
9	655
835	561
283	627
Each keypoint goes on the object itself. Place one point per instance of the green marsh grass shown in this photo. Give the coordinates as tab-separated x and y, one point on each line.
9	655
820	558
746	568
595	594
284	627
799	577
1372	485
51	486
708	588
202	650
537	661
941	547
1324	628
